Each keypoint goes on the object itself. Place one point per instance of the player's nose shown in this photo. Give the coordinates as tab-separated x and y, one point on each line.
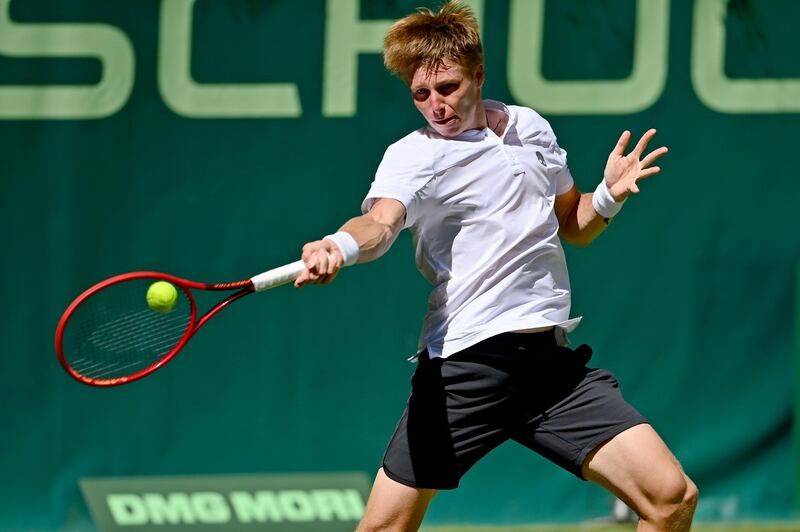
438	107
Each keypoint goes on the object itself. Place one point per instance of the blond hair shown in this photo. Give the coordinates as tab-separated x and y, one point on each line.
427	38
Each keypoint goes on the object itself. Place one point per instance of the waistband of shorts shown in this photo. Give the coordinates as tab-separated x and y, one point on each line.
517	339
508	341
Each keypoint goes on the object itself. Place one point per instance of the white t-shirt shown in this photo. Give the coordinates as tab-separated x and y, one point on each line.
481	212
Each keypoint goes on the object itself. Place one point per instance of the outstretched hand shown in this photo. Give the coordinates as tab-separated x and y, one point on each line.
623	172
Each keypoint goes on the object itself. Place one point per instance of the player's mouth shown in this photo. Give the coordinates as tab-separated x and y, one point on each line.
446	121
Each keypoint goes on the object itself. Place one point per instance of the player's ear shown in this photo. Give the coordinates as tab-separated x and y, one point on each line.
479	76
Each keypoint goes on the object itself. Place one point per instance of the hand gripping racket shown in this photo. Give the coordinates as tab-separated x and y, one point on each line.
110	335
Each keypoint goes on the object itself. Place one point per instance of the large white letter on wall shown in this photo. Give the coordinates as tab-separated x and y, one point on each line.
721	93
630	95
186	97
101	41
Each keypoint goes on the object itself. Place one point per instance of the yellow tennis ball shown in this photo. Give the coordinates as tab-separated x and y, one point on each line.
162	296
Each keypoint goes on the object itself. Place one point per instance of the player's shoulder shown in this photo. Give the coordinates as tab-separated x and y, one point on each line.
411	154
530	125
419	139
527	118
416	146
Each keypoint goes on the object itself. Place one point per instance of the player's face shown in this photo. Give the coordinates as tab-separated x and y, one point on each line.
449	98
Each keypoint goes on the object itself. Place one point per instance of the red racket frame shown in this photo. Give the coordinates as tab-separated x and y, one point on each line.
246	287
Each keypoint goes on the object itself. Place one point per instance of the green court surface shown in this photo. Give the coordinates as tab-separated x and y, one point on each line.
592	527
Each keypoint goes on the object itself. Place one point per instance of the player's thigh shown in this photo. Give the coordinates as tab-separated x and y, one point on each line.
394	506
578	409
637	466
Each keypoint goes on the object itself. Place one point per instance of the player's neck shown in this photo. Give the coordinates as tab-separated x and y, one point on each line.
479	117
496	120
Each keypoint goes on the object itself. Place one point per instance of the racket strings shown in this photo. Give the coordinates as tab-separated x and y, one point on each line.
114	333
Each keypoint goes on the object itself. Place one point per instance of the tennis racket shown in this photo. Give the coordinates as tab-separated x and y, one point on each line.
110	336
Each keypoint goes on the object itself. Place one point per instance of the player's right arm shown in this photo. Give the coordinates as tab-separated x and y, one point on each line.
374	232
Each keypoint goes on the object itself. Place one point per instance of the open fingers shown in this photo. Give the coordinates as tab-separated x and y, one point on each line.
622	143
633	187
642	144
653	156
647	172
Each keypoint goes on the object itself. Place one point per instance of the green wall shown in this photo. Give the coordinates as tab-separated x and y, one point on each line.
122	151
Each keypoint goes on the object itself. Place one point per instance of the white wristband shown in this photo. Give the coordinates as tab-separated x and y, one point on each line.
347	245
604	203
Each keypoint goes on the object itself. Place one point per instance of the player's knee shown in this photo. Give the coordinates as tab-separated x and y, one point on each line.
692	494
385	522
673	503
371	525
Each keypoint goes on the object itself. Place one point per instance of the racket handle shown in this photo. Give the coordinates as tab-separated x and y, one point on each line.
278	276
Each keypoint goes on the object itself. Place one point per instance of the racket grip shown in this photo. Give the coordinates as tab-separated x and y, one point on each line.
278	276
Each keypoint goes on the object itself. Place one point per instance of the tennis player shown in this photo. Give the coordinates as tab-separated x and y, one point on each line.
485	190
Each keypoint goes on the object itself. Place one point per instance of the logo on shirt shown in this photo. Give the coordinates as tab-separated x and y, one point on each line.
541	158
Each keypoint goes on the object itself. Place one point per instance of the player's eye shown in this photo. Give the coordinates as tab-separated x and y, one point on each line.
421	95
448	88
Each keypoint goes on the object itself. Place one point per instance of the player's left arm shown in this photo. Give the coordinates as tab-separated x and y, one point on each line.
578	222
582	217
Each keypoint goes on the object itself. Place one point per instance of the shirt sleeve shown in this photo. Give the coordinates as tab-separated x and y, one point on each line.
536	131
563	176
557	160
405	174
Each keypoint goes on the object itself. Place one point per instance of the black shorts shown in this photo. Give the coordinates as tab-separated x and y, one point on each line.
522	387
